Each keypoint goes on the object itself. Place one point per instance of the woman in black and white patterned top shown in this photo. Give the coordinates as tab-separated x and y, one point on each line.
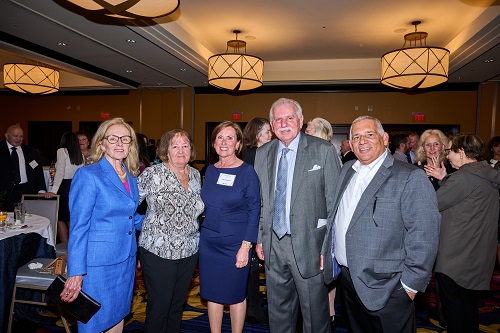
168	244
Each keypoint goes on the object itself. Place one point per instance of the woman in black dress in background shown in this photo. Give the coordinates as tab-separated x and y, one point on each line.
256	133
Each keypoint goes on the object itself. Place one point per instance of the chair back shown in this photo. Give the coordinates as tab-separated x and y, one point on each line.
46	207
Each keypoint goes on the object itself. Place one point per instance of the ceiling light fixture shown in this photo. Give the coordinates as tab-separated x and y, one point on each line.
130	8
33	79
235	71
415	67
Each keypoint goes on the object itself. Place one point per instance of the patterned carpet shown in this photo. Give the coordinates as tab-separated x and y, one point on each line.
195	318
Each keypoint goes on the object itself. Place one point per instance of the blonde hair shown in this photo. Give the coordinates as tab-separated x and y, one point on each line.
420	155
96	153
322	128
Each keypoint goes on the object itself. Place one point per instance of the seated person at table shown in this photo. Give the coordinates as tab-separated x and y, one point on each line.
20	168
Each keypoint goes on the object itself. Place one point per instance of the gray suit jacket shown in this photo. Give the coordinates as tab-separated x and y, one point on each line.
393	235
314	179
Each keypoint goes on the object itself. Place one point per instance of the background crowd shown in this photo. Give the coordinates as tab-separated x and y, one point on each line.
370	221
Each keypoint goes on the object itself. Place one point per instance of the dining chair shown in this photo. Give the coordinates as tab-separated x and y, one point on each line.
49	208
37	279
34	280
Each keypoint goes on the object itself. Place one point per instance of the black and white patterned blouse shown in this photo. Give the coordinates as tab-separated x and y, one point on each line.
170	228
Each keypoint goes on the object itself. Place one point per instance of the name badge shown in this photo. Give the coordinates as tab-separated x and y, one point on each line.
226	180
33	164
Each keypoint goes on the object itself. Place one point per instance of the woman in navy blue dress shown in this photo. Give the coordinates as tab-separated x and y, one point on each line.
232	199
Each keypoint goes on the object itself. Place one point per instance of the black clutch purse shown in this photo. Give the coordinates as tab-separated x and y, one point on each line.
82	308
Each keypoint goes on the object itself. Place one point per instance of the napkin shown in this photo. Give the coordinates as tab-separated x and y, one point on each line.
35	265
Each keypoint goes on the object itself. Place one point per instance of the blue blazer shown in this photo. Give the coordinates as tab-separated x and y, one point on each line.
103	218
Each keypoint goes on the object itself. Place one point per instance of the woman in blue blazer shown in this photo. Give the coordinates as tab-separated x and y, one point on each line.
102	244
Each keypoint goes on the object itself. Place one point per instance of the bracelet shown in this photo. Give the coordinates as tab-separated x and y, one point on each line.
247	243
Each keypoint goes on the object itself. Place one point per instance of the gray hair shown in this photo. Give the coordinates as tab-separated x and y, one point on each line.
281	101
380	129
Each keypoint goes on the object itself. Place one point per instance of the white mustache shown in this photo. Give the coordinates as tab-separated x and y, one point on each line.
281	129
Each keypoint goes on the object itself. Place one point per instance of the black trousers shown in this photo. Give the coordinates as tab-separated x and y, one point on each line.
459	306
397	316
167	282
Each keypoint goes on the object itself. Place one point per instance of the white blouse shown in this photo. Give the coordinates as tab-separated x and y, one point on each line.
64	169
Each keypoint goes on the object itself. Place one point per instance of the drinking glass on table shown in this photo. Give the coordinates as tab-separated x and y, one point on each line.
3	222
18	213
52	173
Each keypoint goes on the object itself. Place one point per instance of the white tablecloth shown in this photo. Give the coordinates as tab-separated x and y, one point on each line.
36	223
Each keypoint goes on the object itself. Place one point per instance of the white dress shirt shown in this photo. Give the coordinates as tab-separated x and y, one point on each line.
359	182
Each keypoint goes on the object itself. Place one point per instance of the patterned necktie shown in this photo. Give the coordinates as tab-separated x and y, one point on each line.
279	218
16	174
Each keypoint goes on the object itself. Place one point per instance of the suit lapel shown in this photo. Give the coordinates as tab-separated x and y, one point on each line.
271	168
110	173
300	164
372	188
134	190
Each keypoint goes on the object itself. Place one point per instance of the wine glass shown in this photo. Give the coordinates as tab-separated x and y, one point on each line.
52	173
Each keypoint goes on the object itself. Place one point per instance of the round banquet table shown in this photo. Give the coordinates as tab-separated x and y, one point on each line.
17	248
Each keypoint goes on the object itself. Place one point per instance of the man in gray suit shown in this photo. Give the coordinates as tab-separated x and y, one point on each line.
385	231
291	232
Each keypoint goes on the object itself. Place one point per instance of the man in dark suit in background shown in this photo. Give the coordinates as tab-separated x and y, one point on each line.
21	173
413	136
385	234
298	174
346	152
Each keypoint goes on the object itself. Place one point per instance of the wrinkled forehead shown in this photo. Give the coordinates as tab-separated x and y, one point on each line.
15	132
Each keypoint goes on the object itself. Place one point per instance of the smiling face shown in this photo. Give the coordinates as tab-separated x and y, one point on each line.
179	150
366	142
14	136
226	142
119	150
433	146
285	124
264	135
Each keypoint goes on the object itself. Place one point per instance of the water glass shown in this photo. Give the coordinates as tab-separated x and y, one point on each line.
19	213
3	222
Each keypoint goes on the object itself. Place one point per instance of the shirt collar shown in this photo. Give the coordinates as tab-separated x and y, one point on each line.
375	164
10	146
293	146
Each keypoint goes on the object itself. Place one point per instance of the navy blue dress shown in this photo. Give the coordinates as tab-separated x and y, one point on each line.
232	212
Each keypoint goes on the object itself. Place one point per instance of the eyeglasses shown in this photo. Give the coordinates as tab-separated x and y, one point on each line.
126	139
447	151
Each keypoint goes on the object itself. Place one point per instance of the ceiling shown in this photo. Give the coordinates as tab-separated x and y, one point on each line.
301	42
